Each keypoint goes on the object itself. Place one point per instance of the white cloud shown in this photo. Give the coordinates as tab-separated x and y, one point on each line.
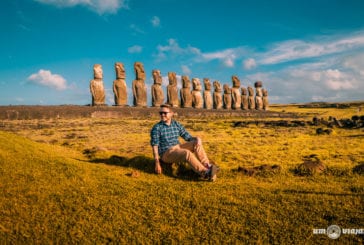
336	80
136	29
291	50
23	27
109	96
165	81
19	99
227	56
298	49
186	70
135	49
326	78
172	46
179	81
155	21
46	78
228	62
326	68
99	6
310	82
355	63
249	64
172	49
257	77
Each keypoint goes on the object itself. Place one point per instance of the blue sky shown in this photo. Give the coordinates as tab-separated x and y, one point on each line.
303	51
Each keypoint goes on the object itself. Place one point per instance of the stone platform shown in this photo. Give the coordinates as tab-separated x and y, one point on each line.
74	111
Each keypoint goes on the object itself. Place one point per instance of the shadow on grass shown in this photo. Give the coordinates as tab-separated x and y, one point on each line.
146	164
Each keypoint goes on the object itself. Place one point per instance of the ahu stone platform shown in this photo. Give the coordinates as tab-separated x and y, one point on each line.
74	111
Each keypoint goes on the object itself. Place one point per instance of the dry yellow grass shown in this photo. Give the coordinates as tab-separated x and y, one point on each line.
73	181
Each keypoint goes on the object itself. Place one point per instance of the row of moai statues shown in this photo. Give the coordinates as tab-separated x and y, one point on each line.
224	97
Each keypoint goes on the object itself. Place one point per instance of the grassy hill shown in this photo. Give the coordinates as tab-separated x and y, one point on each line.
92	181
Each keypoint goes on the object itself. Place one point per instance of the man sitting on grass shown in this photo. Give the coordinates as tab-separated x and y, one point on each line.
166	146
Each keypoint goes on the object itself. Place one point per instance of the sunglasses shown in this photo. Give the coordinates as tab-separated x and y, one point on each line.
163	113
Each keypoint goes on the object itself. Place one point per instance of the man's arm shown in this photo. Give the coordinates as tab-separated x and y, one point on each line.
157	168
154	141
187	136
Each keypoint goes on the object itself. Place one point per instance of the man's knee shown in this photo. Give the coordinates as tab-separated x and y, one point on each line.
177	156
188	155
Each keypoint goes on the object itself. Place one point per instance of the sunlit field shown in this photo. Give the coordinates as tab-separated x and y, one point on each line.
92	181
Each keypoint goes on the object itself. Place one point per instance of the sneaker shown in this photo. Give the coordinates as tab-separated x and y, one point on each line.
213	171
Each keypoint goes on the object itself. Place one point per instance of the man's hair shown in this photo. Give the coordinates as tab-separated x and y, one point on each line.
166	106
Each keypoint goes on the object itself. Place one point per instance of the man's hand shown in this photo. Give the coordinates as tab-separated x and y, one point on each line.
158	168
198	141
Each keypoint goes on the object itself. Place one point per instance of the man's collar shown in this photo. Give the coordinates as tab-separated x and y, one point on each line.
166	123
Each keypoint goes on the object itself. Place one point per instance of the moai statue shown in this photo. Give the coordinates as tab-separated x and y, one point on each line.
251	100
119	86
172	91
197	100
217	95
265	100
258	96
97	87
186	95
235	93
244	98
139	87
227	96
207	96
157	90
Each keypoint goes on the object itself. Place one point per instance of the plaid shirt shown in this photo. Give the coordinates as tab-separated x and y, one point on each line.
165	136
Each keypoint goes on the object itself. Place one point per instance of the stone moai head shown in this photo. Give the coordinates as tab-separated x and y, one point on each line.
258	84
227	89
217	86
157	77
265	93
207	84
236	82
186	82
139	71
196	84
120	70
244	91
97	71
172	78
